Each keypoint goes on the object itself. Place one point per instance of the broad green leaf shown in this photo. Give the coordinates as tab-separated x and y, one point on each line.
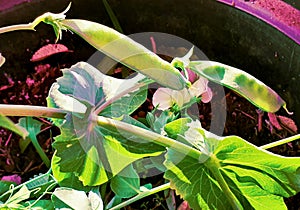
83	82
66	179
92	153
32	126
241	82
130	53
236	173
5	185
126	105
127	183
10	125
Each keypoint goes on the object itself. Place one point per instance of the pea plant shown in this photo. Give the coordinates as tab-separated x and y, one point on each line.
100	144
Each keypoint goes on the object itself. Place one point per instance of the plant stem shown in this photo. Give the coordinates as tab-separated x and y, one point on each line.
142	195
34	111
280	142
149	136
29	26
29	182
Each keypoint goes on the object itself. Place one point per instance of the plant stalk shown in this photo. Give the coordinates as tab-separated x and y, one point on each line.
142	195
29	26
33	111
149	136
280	142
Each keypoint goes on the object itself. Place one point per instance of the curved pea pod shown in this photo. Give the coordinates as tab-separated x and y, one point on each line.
241	82
130	53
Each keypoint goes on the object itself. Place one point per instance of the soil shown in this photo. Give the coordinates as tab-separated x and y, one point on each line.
243	119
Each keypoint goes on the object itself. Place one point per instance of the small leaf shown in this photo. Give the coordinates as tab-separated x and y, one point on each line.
8	124
126	184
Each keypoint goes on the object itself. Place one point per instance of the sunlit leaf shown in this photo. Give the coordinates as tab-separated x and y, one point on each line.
92	153
236	173
126	184
10	125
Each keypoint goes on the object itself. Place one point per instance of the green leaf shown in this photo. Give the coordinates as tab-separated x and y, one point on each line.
112	16
82	82
94	154
127	183
236	174
126	105
241	82
8	124
32	126
66	179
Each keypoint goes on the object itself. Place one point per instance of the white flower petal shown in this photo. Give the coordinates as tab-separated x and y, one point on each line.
163	98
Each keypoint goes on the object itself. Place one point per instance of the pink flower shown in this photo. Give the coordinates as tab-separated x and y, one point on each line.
164	98
12	178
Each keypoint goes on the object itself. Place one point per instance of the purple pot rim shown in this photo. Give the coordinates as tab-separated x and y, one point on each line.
291	31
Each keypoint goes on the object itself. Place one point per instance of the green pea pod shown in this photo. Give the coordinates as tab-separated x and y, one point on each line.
241	82
130	53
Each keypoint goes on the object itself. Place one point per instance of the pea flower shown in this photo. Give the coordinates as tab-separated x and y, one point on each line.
165	98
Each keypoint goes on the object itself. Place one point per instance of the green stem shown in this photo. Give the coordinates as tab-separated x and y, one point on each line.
214	166
148	135
28	183
280	142
29	26
34	111
142	195
39	149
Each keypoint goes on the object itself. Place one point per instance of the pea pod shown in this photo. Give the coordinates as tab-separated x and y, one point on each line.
241	82
130	53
